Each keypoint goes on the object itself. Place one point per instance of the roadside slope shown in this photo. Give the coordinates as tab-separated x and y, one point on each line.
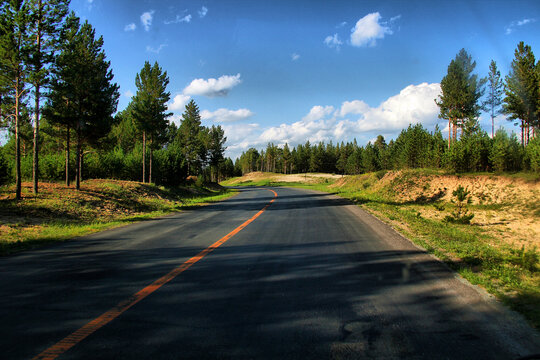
59	213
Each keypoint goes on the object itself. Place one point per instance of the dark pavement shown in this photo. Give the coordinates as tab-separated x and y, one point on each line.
312	278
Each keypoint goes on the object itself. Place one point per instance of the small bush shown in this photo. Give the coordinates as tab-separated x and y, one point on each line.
528	258
461	214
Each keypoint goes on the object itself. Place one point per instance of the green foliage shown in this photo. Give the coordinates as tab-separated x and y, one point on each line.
461	91
461	198
4	168
527	259
191	140
522	90
495	91
533	154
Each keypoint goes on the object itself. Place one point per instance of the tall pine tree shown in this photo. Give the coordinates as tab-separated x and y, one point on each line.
149	108
83	96
461	90
47	17
494	96
189	135
522	91
15	43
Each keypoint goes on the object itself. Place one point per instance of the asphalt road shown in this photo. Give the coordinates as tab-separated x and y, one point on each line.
312	277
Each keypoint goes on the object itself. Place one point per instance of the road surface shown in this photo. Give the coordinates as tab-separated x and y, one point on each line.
310	277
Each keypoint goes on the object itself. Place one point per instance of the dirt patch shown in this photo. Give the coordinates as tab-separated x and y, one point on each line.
257	176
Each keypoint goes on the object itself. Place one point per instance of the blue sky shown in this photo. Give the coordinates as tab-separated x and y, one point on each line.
291	71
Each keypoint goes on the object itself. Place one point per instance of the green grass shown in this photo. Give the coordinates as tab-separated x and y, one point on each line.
62	214
513	275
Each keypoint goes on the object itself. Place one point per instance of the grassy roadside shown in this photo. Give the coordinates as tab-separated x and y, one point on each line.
59	213
479	252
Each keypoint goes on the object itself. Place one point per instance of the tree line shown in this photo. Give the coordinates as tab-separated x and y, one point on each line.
58	102
464	95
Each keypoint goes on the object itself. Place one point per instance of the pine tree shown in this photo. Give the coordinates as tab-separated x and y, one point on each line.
149	108
15	43
47	17
495	91
522	92
216	149
188	133
461	90
83	96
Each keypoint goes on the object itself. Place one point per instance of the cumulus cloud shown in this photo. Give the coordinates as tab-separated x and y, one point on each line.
226	115
178	103
514	24
146	19
333	41
129	94
213	87
130	27
318	112
414	104
155	50
203	12
353	119
295	56
179	19
368	29
353	107
238	137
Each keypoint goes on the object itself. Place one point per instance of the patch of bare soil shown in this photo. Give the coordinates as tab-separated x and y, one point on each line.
507	208
305	178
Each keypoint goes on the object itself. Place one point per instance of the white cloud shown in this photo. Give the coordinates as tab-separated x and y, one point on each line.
368	29
226	115
341	24
154	50
213	87
178	103
203	12
146	19
354	119
333	41
130	27
512	27
175	119
318	112
179	19
295	56
129	94
414	104
353	107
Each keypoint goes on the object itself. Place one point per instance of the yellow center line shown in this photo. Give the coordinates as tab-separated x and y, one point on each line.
76	337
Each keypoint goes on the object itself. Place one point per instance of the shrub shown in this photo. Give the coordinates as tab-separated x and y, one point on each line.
533	154
461	214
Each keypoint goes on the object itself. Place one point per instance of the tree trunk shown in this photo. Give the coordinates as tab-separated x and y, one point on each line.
144	156
67	155
492	126
18	184
522	133
150	165
79	165
449	132
35	167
